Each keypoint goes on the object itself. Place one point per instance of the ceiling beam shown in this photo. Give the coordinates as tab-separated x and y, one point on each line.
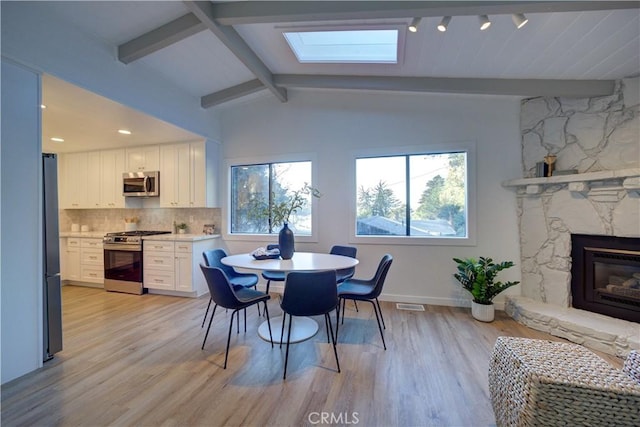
159	38
231	93
519	87
232	40
254	12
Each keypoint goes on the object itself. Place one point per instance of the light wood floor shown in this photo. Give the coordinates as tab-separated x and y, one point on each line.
136	360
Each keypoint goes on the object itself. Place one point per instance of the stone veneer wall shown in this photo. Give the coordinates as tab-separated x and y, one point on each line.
588	135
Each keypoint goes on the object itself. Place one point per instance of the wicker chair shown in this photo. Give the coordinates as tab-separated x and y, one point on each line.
537	382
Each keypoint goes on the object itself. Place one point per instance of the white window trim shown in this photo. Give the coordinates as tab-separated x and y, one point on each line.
468	146
267	238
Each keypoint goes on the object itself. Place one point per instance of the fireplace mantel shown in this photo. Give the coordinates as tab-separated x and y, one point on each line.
578	182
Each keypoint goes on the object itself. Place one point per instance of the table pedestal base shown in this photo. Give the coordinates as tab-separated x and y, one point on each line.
302	329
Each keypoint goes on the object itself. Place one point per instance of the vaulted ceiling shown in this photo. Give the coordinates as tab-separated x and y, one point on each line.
231	50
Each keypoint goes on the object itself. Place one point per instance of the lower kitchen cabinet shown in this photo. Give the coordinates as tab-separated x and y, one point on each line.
82	260
174	266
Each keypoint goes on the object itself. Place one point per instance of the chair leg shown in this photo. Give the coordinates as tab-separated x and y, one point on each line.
226	354
375	310
326	327
286	357
380	310
337	318
266	312
333	338
356	304
245	319
284	320
206	312
209	327
344	302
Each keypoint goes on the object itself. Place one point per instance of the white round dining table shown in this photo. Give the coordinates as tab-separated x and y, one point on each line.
302	328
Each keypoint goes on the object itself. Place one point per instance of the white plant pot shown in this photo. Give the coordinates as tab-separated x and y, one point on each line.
482	312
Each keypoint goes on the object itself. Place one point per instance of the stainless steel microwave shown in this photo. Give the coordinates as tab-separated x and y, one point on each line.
141	184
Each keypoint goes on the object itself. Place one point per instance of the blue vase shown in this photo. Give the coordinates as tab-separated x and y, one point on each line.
285	240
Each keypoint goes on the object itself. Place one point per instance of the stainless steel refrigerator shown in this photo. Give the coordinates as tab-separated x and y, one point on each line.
52	296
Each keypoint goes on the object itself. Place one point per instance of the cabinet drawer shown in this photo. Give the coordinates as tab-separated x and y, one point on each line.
157	246
158	279
92	274
183	247
163	261
92	257
73	242
91	243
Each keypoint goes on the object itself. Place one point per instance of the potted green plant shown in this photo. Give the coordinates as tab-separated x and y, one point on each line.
478	277
181	227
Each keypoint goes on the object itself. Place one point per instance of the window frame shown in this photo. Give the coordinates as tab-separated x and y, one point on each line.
265	237
468	147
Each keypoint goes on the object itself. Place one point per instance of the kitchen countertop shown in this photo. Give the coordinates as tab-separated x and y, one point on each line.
86	234
165	237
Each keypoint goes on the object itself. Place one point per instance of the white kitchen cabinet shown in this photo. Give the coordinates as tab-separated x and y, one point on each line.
175	176
188	173
91	260
70	259
111	168
73	184
174	267
143	159
93	180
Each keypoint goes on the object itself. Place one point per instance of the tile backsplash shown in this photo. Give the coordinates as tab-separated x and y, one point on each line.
113	220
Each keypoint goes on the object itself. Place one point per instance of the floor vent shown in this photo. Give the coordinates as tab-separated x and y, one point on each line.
410	307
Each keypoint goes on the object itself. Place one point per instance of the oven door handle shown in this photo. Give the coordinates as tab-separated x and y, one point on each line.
116	247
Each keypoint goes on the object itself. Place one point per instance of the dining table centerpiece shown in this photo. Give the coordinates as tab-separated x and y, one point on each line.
281	212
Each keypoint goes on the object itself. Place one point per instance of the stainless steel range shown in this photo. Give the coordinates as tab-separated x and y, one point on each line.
123	261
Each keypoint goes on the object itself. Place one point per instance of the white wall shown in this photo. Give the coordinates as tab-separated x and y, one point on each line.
21	294
33	34
333	123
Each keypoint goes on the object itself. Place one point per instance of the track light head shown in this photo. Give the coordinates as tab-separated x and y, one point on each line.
413	27
519	20
484	22
442	26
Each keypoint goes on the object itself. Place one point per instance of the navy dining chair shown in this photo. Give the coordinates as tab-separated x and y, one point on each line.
367	290
212	258
224	294
309	294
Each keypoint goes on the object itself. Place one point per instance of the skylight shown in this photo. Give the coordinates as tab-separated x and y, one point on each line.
349	46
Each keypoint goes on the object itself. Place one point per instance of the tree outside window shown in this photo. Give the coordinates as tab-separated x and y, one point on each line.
421	195
257	189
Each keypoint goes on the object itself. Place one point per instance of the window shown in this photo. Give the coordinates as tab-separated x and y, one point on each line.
413	195
257	190
379	44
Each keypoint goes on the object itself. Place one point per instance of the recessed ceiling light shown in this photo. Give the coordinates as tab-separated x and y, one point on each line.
43	106
124	131
57	139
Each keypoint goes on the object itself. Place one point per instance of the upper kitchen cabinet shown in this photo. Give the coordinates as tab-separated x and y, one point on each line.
143	159
111	168
187	175
91	180
73	182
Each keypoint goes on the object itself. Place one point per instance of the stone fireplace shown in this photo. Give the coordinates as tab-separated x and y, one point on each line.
596	191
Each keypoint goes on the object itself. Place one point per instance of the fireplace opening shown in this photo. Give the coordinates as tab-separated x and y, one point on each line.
605	275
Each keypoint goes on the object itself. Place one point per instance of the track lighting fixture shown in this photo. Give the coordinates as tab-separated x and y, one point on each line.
442	26
484	22
519	20
413	27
